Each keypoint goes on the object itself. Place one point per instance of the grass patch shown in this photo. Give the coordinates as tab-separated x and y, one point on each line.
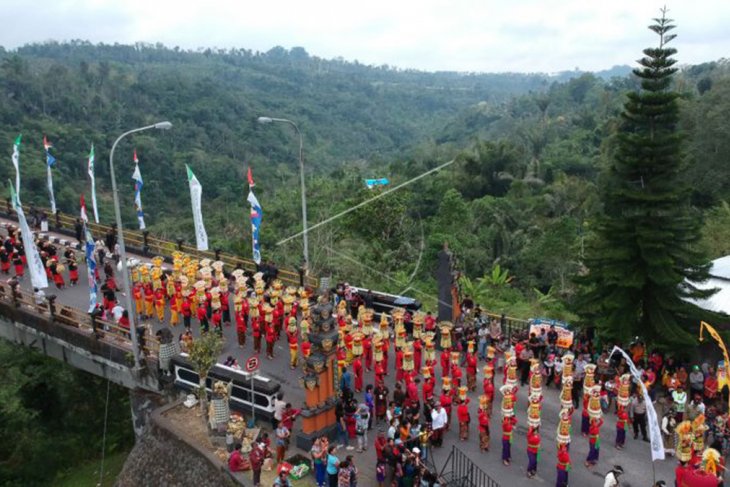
87	475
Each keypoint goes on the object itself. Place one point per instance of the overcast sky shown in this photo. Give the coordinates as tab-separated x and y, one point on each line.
462	35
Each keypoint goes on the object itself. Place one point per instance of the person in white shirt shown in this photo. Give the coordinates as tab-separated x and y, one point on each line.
117	312
611	479
39	295
392	430
438	421
279	406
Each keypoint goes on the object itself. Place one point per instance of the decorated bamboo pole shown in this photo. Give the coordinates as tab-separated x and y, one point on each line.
720	343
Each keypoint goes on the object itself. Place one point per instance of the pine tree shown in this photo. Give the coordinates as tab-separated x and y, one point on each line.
646	247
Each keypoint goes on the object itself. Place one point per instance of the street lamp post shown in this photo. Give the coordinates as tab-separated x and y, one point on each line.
305	233
120	237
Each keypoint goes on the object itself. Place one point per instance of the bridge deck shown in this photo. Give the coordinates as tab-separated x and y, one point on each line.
73	301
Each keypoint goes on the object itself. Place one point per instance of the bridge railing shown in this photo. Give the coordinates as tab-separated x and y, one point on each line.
151	245
68	316
512	326
460	471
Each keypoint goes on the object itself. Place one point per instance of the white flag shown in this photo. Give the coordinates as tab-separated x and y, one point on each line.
196	192
35	265
655	432
93	183
49	180
50	162
16	163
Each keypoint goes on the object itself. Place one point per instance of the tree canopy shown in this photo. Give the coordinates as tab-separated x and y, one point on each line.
646	257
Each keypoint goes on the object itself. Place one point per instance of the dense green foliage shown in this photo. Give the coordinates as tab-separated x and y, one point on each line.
52	417
645	254
522	191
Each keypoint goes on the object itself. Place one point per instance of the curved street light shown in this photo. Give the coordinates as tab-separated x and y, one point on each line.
120	237
305	233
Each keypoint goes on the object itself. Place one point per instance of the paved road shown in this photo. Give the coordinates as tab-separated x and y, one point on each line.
634	458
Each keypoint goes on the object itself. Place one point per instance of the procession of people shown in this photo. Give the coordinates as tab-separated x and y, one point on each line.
438	370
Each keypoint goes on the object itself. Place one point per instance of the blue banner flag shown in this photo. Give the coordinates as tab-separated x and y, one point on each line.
137	177
50	162
91	268
257	215
370	183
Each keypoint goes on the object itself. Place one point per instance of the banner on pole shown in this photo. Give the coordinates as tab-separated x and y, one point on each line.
196	193
257	215
50	162
655	432
35	265
91	268
90	170
137	177
16	164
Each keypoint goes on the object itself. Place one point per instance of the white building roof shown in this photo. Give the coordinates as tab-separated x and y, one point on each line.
721	268
720	279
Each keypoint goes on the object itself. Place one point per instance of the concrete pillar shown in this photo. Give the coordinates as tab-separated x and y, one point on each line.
142	404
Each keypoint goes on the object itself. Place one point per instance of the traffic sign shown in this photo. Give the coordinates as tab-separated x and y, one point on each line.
252	364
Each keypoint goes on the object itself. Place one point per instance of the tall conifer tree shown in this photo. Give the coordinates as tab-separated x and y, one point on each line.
647	239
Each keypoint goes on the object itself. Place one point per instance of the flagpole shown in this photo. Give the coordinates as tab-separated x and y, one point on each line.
305	229
120	239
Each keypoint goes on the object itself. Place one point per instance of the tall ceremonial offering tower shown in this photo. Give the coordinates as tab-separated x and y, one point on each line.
318	417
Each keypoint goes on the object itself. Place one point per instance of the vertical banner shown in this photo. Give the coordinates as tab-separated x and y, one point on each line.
137	177
16	163
50	162
257	215
90	170
655	432
196	193
90	264
35	265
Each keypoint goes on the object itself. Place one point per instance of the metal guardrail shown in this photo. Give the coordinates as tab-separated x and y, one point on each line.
111	333
463	472
512	325
151	245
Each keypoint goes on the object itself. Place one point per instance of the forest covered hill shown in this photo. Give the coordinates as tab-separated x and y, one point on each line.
529	151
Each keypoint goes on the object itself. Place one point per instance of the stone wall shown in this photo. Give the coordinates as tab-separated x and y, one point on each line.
163	458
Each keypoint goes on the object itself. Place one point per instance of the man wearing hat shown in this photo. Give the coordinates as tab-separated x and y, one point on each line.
611	479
